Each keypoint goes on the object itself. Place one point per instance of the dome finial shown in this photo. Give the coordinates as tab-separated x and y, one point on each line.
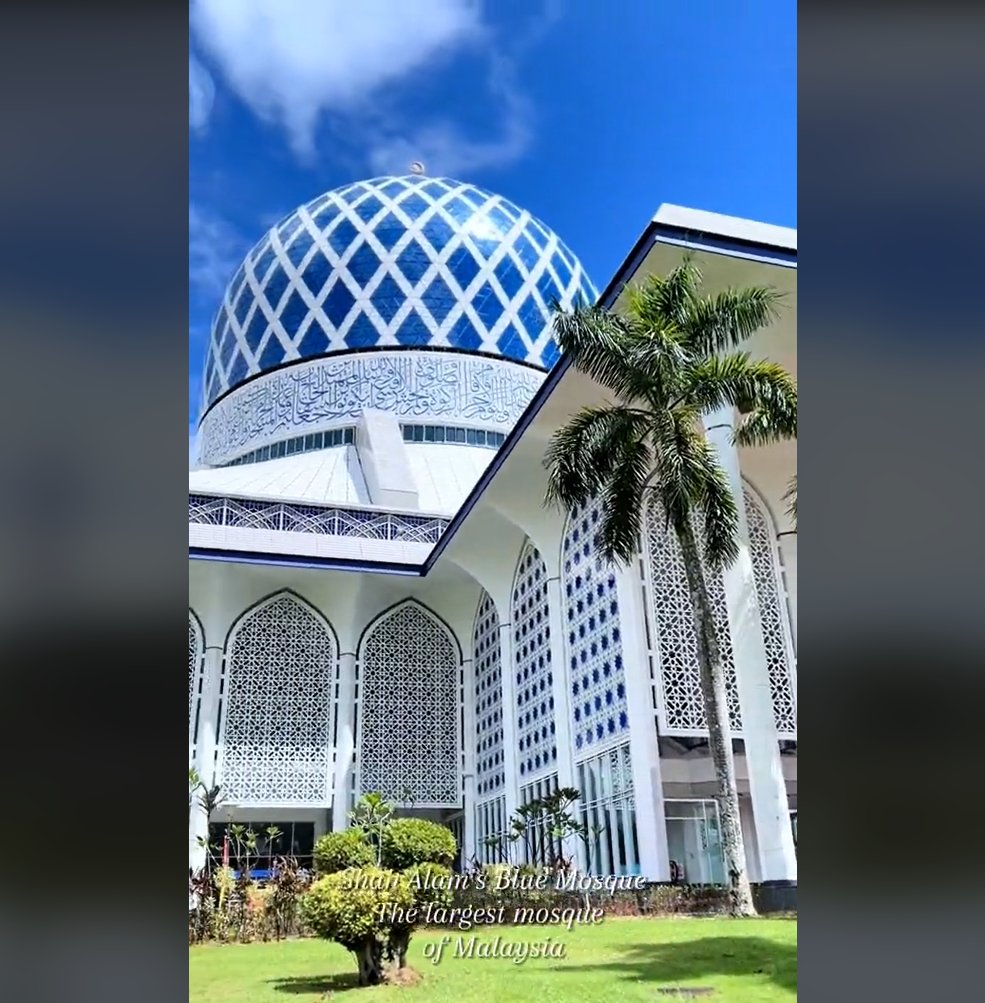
416	167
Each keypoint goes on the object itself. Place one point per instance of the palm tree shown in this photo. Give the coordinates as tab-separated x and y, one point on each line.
670	358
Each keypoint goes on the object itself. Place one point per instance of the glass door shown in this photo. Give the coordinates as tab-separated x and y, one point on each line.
694	841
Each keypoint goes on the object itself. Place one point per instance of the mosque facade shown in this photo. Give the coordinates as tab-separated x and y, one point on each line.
379	599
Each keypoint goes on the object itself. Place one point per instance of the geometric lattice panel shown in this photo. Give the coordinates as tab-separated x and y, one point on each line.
681	706
773	614
596	678
409	685
535	727
277	707
486	663
395	261
196	645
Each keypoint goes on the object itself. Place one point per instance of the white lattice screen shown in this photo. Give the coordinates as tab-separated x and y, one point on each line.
276	746
535	727
681	710
489	769
595	662
775	617
196	651
409	707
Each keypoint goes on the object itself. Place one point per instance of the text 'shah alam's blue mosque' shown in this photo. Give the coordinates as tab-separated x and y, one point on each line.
380	600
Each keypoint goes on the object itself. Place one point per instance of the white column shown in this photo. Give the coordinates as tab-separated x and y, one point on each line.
208	744
561	691
651	826
511	787
560	688
468	762
345	745
787	542
767	788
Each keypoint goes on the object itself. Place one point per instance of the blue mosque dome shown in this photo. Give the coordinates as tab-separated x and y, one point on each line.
395	263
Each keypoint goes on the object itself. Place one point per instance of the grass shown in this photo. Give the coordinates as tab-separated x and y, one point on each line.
623	960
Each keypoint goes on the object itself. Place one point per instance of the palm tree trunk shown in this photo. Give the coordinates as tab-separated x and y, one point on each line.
712	676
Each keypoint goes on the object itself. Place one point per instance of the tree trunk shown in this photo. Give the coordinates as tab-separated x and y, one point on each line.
712	677
369	956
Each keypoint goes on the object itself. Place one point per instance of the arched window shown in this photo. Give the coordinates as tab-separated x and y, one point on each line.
596	678
681	707
535	727
488	696
409	682
196	652
276	745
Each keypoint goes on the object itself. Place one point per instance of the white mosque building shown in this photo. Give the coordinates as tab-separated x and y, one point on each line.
380	601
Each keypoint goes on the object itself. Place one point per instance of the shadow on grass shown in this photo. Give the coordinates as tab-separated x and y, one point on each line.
317	984
669	964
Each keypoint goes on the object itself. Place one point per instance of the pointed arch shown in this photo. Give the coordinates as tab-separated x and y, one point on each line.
533	671
596	677
774	611
277	710
409	718
488	698
196	660
680	706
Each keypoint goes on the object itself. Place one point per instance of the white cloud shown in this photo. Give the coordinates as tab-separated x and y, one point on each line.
291	61
215	250
445	150
201	94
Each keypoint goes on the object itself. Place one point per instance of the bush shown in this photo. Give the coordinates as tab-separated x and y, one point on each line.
338	851
430	883
350	906
411	841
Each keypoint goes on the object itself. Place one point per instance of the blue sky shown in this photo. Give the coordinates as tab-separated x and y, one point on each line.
589	114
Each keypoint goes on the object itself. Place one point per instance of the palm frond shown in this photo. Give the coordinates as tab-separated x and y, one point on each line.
790	497
680	465
615	351
622	503
726	320
752	386
720	514
662	302
584	455
772	420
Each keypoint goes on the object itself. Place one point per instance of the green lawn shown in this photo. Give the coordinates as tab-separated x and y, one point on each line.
621	960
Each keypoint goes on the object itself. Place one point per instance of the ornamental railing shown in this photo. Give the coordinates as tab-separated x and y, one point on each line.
239	513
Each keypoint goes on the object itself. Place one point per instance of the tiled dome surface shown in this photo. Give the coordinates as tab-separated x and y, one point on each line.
392	262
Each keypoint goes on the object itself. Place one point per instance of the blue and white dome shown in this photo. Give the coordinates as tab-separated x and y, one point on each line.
390	264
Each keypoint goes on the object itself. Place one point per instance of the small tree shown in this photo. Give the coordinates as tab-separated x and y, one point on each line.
431	885
358	908
372	815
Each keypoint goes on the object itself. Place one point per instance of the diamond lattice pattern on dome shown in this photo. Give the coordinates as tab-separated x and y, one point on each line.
395	262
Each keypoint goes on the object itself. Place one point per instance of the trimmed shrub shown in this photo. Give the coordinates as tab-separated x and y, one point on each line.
352	907
411	841
338	851
430	883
